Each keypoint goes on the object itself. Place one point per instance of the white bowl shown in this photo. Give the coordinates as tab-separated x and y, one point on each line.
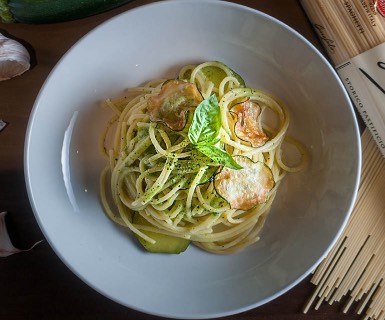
62	161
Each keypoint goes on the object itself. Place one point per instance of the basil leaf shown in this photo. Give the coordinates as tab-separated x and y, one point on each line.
206	123
219	156
204	131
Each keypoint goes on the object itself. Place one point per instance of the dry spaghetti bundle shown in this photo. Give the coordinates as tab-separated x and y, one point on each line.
355	267
353	34
347	28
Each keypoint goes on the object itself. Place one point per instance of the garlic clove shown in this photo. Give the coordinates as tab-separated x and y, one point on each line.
14	58
6	246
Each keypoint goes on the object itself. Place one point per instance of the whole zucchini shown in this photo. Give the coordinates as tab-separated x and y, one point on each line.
50	11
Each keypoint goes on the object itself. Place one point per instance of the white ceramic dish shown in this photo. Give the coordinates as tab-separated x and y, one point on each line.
62	163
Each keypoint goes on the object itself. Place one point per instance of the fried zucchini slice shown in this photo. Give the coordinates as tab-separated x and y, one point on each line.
245	188
248	126
170	106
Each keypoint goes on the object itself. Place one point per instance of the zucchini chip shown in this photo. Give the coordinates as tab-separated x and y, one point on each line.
248	126
170	106
245	188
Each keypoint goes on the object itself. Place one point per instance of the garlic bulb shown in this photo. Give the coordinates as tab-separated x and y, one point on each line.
14	58
6	246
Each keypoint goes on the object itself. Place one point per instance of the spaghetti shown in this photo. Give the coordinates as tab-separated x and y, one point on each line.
168	176
346	27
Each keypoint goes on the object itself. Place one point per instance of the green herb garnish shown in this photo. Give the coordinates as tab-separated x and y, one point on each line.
204	131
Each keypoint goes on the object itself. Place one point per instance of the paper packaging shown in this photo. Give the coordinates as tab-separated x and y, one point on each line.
353	34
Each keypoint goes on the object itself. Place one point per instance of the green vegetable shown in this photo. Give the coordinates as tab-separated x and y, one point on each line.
164	243
216	73
204	131
50	11
219	156
206	122
184	166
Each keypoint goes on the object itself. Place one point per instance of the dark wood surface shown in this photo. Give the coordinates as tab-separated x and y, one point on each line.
36	284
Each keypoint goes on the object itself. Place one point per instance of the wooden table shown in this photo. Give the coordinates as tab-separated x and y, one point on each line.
36	284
